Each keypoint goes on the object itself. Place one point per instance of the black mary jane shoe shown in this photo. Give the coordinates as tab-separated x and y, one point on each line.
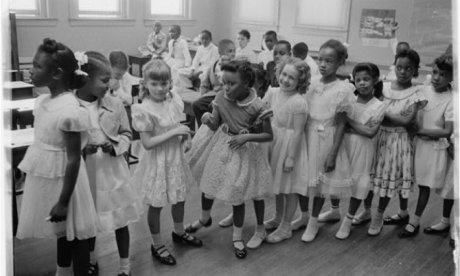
431	231
240	253
186	239
167	260
396	221
124	274
93	269
407	234
191	229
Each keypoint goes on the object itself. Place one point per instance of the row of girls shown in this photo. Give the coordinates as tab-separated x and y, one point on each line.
291	143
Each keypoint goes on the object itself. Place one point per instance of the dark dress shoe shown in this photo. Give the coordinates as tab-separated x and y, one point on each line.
240	253
407	234
186	239
431	231
396	221
167	260
191	229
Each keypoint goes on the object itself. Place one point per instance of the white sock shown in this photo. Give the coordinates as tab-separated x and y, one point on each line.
304	215
415	221
445	220
124	265
403	213
92	257
179	228
156	240
237	233
260	228
63	271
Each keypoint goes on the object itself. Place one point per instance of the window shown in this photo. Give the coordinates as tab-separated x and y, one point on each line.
170	9
100	9
29	9
258	11
325	14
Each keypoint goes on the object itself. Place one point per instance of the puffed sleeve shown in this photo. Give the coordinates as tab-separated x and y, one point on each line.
74	119
449	112
268	98
345	98
299	106
141	120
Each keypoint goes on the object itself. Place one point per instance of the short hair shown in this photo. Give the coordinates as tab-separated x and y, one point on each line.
208	33
156	69
285	42
60	56
302	68
157	23
374	72
177	28
338	47
118	59
245	33
243	68
445	63
300	49
403	43
271	33
261	79
223	44
97	62
413	56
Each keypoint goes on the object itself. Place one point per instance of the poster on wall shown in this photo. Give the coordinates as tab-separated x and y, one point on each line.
376	27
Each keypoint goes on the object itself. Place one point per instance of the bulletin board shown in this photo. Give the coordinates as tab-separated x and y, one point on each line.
369	31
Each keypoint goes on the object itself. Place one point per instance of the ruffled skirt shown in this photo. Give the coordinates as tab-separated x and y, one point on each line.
197	156
117	203
163	175
393	166
42	193
235	176
295	181
351	176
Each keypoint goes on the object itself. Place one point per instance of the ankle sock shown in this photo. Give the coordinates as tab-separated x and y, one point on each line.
237	233
403	213
156	240
63	270
124	265
92	257
179	228
205	216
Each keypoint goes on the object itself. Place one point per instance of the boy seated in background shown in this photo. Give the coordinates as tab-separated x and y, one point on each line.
122	81
211	82
282	50
244	52
300	50
179	55
157	41
269	40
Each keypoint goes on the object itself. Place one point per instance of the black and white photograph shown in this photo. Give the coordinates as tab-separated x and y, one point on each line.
229	137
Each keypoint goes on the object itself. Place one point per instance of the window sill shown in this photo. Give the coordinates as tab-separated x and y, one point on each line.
148	22
322	29
36	22
102	22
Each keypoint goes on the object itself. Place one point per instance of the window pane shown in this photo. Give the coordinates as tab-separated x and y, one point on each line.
327	13
99	5
27	5
170	7
256	10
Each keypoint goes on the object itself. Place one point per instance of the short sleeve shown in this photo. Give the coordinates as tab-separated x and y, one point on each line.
299	106
449	112
141	120
345	98
74	119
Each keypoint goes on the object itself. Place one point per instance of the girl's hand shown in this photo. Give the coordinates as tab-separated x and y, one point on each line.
288	164
237	141
181	131
329	166
187	144
58	212
206	118
90	149
108	148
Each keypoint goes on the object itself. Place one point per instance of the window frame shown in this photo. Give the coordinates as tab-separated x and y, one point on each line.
273	22
123	14
342	28
42	11
186	12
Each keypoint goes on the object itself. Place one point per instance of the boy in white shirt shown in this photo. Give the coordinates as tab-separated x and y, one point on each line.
300	50
178	55
122	81
243	52
270	39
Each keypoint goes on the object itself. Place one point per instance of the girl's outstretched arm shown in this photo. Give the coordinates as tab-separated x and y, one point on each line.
365	130
150	141
72	143
299	127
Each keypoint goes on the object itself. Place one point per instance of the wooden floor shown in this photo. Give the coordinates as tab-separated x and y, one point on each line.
359	255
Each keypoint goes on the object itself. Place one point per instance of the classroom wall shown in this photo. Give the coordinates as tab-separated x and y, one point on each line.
126	36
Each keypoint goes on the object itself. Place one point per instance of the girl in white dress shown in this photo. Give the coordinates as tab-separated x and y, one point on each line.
435	125
356	152
288	151
325	128
393	167
57	200
163	175
116	201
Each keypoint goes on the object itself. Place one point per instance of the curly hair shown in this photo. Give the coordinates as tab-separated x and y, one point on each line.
374	72
302	68
60	56
340	49
243	68
445	63
413	56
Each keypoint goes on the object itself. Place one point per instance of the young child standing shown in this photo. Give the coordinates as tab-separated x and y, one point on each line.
108	173
435	123
393	167
162	174
289	147
232	166
243	52
356	152
57	198
121	82
325	128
